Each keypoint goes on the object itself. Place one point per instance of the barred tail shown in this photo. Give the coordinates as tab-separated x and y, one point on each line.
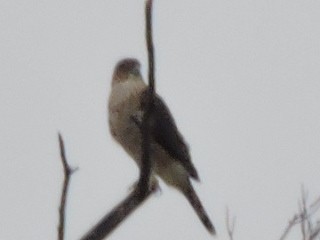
193	199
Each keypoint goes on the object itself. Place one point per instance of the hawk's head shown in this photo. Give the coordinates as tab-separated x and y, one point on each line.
126	69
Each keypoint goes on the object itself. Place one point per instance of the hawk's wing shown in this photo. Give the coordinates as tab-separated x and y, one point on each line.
164	131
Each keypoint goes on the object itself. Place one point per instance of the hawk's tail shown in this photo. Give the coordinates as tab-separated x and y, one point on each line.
193	199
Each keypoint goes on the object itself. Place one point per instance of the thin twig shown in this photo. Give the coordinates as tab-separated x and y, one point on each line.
67	170
150	48
314	206
306	224
230	226
315	233
303	214
291	223
146	166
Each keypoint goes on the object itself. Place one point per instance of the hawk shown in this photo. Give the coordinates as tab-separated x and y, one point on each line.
168	150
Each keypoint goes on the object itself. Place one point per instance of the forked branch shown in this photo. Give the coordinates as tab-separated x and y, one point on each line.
67	170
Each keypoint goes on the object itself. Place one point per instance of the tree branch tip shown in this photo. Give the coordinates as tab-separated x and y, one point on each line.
61	145
60	137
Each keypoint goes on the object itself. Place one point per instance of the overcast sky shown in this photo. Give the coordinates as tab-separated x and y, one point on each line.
241	79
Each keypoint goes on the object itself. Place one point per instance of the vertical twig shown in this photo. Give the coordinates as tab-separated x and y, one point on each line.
146	166
230	226
150	48
63	200
304	215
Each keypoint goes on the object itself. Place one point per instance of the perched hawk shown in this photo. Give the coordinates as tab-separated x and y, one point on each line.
169	152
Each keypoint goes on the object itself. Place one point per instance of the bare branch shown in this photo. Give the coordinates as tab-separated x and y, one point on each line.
107	224
150	48
146	162
63	200
304	218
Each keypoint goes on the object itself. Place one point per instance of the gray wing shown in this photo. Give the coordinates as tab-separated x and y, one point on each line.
164	131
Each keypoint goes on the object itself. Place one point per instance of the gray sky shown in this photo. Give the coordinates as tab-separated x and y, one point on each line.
241	78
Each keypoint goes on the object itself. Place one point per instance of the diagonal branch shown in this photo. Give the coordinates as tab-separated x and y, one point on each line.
109	223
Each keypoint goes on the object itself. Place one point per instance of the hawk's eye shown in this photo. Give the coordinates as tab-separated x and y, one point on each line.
135	72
